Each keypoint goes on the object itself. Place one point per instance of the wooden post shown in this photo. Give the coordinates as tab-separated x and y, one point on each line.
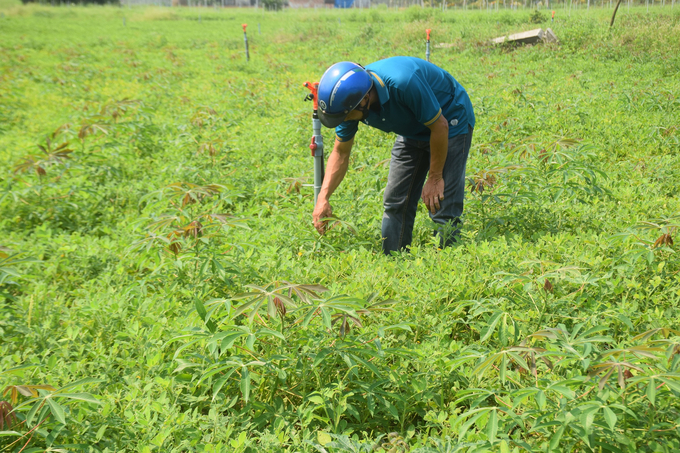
614	15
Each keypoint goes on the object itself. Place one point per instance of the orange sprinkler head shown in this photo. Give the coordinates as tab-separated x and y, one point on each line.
314	89
428	33
244	27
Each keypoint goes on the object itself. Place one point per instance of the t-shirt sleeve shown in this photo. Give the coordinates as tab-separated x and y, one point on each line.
346	130
420	99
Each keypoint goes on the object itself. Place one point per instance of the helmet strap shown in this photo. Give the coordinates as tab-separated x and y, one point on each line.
363	109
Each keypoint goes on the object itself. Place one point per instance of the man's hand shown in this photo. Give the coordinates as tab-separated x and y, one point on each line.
322	210
433	193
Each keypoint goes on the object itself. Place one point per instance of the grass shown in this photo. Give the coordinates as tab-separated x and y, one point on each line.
170	269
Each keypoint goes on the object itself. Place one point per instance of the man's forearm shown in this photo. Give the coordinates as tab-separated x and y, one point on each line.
439	143
433	190
338	162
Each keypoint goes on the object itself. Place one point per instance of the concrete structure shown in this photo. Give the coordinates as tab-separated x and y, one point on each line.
311	3
528	37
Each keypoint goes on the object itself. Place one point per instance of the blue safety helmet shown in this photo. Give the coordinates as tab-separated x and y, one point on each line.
341	89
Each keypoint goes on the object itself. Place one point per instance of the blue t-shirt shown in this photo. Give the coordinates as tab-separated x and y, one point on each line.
413	94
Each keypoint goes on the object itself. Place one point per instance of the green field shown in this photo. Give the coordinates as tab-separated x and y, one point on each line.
161	279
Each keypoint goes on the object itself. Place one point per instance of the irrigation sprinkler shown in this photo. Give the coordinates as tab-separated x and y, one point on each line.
245	39
316	145
427	45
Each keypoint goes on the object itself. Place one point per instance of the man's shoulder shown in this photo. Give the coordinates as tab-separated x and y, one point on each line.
394	64
396	72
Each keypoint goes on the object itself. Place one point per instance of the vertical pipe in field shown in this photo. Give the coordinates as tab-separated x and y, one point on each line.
427	45
245	40
316	145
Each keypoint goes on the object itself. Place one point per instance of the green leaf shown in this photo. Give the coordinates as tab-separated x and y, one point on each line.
651	391
271	307
400	326
326	317
323	438
492	326
607	447
555	439
482	367
393	410
626	320
15	369
245	384
253	304
671	384
80	397
367	364
217	386
588	417
316	399
609	417
503	331
593	330
540	399
250	341
505	448
219	367
518	359
100	432
56	410
274	333
472	420
308	317
562	390
182	364
32	411
200	309
322	354
179	350
52	436
492	426
83	381
230	338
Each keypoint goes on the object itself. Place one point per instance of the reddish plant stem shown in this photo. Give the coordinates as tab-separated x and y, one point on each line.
31	432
